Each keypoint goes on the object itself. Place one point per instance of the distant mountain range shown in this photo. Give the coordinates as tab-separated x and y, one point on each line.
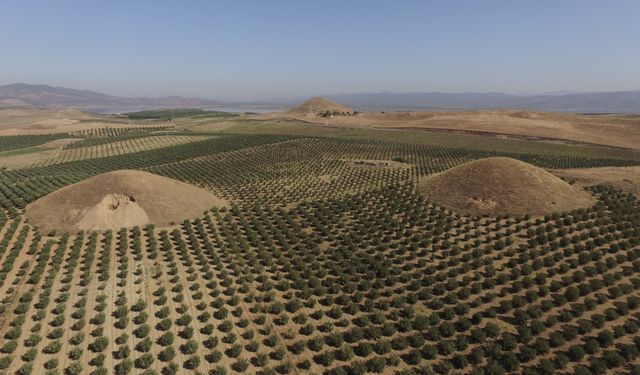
598	102
21	94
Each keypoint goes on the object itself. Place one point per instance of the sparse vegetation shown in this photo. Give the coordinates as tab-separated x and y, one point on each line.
170	114
320	265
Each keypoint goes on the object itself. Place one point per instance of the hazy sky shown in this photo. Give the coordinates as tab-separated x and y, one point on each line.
260	49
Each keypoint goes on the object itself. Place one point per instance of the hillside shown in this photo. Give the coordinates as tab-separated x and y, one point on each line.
608	130
623	178
502	186
319	107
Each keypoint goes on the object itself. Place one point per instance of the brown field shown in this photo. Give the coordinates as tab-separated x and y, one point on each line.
610	130
624	178
122	147
25	121
34	155
54	153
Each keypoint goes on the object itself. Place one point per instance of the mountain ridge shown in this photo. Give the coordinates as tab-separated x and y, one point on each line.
56	96
22	94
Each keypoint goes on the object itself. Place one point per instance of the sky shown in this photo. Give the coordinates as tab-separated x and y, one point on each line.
257	50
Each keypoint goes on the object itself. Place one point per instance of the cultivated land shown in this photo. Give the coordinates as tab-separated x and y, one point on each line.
626	179
319	254
611	130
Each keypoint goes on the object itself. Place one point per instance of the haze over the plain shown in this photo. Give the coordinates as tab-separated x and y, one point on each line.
260	50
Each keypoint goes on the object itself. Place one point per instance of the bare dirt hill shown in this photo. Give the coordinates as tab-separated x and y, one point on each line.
114	211
319	107
118	199
502	186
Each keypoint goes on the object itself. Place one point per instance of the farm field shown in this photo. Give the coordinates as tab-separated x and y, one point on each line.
91	144
616	130
325	257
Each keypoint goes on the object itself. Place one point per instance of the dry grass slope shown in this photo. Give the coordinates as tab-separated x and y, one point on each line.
317	107
502	186
162	200
623	178
608	130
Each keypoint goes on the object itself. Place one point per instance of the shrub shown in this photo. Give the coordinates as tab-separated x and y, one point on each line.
99	344
53	347
240	366
167	354
190	347
123	368
74	368
144	361
192	362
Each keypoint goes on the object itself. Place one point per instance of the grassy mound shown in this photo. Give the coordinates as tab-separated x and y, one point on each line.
320	107
118	199
502	186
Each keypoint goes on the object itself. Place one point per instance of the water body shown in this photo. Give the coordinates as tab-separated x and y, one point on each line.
221	108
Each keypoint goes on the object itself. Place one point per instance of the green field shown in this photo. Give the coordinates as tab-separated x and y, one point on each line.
25	141
170	114
21	151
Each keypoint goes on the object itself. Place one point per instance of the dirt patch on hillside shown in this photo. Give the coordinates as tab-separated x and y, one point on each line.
502	186
29	156
29	121
624	178
114	211
60	143
118	199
